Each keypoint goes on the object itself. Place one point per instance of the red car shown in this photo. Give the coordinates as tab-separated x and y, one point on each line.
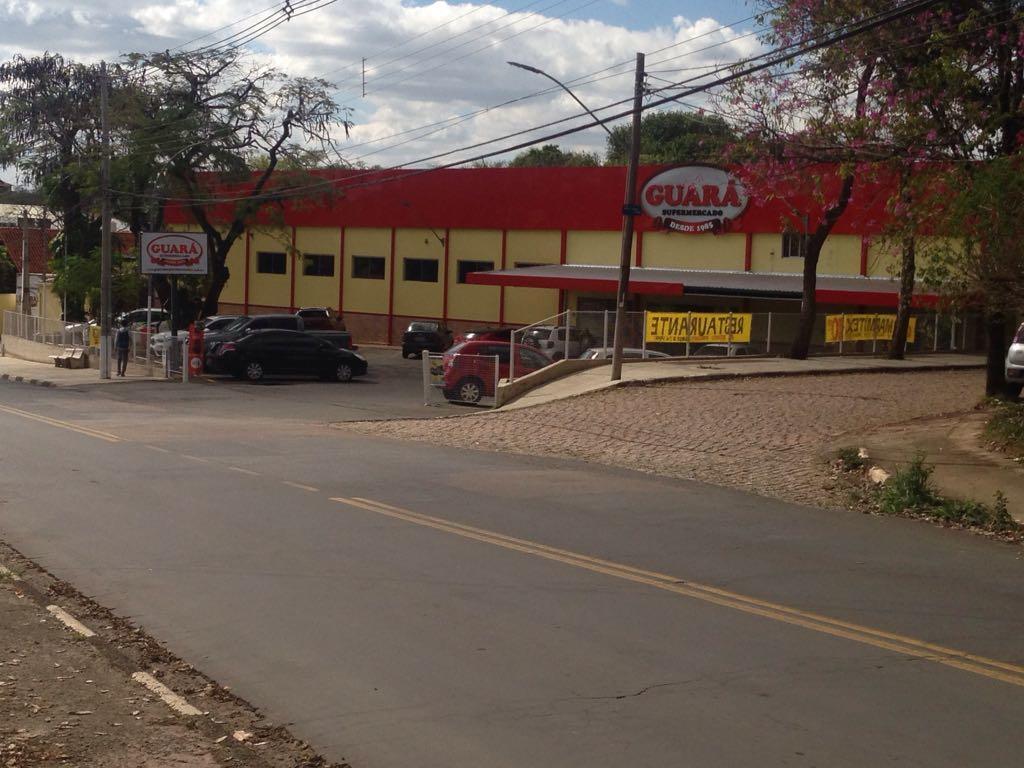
469	374
484	334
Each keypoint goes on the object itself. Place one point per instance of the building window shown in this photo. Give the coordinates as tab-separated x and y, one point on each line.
271	263
318	265
420	270
794	245
465	267
368	267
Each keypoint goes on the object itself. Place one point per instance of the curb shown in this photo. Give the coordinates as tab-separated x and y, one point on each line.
23	380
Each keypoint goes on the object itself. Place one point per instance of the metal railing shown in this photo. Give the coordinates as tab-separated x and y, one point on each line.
458	378
45	330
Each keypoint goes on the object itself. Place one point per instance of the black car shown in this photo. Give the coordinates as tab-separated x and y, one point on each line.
425	336
260	353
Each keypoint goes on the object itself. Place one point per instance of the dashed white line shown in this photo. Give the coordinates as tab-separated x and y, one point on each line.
196	458
70	621
244	471
169	697
157	448
301	487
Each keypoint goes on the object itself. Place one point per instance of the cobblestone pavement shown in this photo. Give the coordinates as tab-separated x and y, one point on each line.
770	435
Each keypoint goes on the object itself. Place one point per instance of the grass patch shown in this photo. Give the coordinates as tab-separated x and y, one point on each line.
851	459
1005	426
910	491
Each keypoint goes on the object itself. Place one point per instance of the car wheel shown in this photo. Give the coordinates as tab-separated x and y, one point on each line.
470	390
254	370
343	371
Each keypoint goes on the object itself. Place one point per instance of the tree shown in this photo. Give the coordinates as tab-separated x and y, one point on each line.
8	273
204	122
551	155
673	137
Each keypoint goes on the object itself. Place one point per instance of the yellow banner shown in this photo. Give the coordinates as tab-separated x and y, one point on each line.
864	328
696	327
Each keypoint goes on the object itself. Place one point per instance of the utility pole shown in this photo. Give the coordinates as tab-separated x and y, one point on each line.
630	209
26	295
105	266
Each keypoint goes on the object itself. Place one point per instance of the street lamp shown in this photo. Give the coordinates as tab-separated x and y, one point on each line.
564	87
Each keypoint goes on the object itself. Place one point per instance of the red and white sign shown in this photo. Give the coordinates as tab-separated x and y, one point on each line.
175	253
694	198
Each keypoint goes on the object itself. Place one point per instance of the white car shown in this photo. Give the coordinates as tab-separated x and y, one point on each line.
1015	364
550	339
724	350
158	342
633	353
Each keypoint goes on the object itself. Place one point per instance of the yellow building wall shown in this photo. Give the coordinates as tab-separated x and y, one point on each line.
528	305
8	303
673	249
473	302
839	256
234	288
414	298
267	290
361	295
317	291
601	248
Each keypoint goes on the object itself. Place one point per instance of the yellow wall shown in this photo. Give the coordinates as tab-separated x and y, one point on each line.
47	302
264	289
234	288
315	291
8	303
839	256
473	302
674	249
602	248
367	295
528	305
413	298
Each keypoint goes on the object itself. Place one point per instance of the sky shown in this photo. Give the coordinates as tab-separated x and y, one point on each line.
426	62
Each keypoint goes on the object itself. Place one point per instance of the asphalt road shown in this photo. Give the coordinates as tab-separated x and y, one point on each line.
408	605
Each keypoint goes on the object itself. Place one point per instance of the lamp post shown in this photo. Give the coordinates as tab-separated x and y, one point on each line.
564	87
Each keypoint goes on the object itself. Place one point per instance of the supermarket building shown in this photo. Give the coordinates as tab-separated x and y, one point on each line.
512	246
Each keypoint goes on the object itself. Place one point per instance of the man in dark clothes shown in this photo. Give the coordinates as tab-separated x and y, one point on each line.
122	343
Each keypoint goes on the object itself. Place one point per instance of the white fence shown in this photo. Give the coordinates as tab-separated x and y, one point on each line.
45	330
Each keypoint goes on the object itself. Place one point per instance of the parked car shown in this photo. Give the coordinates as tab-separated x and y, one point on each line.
469	374
276	351
605	353
724	350
246	325
137	317
1015	364
485	334
158	341
320	319
550	339
425	336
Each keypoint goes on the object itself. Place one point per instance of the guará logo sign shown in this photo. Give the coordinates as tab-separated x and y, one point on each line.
694	198
174	253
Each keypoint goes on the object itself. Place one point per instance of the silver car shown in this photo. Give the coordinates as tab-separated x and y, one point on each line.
1015	364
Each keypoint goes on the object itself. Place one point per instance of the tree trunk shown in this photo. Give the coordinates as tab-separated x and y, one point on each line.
808	306
995	335
907	272
218	279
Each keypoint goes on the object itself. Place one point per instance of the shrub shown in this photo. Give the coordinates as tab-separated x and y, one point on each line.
908	489
851	459
1006	426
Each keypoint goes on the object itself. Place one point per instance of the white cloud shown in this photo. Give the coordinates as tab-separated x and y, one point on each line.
440	74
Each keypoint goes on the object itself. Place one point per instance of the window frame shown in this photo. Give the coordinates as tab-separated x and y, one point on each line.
409	276
366	261
462	264
788	240
320	259
260	262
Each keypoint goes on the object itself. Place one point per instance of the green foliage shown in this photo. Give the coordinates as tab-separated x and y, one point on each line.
551	155
8	273
910	491
1006	426
672	137
851	459
80	278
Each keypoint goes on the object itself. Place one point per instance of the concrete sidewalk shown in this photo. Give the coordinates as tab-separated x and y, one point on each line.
652	372
46	375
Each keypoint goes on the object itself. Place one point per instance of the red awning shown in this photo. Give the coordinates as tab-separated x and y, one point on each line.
831	289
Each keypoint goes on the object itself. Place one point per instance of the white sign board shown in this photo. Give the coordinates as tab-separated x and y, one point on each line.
175	253
694	198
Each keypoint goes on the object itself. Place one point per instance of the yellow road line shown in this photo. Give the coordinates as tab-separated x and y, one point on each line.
301	487
88	431
980	665
244	471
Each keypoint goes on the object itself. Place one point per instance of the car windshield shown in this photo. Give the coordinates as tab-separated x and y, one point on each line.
1019	338
537	333
237	324
422	327
220	323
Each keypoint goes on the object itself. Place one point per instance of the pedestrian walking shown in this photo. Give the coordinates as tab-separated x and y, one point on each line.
122	343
